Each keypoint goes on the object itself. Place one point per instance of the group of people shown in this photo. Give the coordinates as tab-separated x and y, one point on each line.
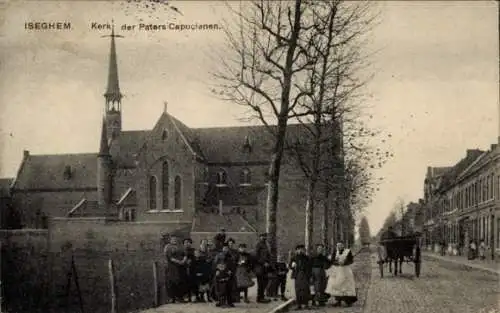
330	276
474	252
222	271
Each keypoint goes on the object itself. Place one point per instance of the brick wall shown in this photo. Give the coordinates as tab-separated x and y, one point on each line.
250	239
25	260
107	236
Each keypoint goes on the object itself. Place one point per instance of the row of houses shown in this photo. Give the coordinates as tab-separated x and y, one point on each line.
462	203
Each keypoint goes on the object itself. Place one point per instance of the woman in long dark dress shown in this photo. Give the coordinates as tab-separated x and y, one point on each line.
174	270
302	270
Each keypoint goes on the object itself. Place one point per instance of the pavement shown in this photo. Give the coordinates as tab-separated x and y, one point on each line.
443	287
488	265
252	307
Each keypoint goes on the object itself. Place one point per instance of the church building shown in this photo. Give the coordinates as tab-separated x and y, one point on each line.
207	177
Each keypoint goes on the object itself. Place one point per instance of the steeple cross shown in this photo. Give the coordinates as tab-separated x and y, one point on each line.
113	31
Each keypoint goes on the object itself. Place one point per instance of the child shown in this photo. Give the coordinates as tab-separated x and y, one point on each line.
301	265
202	271
243	270
222	289
281	272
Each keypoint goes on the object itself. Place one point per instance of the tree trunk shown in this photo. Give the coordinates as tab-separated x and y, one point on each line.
273	191
277	156
309	231
325	227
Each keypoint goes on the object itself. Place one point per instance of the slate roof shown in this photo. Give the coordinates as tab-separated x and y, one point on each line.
451	176
5	186
125	147
226	144
215	145
482	160
48	171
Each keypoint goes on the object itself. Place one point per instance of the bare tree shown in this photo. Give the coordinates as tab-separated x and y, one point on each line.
333	88
261	70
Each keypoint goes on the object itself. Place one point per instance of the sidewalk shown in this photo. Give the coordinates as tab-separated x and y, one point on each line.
252	307
492	266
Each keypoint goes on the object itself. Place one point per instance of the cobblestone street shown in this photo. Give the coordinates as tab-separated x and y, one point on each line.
442	287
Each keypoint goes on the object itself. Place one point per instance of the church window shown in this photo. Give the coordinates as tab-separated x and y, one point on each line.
245	177
165	182
152	193
178	193
247	147
164	135
132	215
222	178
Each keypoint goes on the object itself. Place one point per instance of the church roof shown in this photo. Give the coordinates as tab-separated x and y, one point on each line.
125	147
5	186
227	144
58	171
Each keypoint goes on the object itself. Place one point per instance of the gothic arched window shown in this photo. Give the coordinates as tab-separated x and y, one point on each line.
164	135
222	177
165	183
178	193
152	193
245	177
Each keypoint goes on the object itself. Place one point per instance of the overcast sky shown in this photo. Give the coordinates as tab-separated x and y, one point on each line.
435	89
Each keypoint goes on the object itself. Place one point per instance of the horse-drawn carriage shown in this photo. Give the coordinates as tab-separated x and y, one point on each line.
398	249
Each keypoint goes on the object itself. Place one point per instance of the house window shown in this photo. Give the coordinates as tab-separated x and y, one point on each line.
164	135
67	172
152	193
206	175
266	176
222	178
245	177
165	185
178	192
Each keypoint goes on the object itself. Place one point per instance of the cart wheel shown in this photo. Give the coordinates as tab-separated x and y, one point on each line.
381	267
418	264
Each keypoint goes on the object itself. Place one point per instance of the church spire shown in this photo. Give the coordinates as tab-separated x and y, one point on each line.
113	94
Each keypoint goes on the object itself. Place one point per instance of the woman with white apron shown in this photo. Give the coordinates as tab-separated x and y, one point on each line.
341	283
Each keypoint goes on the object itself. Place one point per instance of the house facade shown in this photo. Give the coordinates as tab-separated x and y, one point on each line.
462	204
206	177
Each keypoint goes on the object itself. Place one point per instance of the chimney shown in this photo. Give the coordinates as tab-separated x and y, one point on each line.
494	146
470	152
26	153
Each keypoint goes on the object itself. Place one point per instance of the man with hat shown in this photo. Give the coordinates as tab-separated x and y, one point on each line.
263	260
220	239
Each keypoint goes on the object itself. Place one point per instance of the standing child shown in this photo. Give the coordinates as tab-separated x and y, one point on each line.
222	279
281	272
202	271
243	272
302	269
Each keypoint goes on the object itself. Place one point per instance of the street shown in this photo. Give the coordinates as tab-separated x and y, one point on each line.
442	287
